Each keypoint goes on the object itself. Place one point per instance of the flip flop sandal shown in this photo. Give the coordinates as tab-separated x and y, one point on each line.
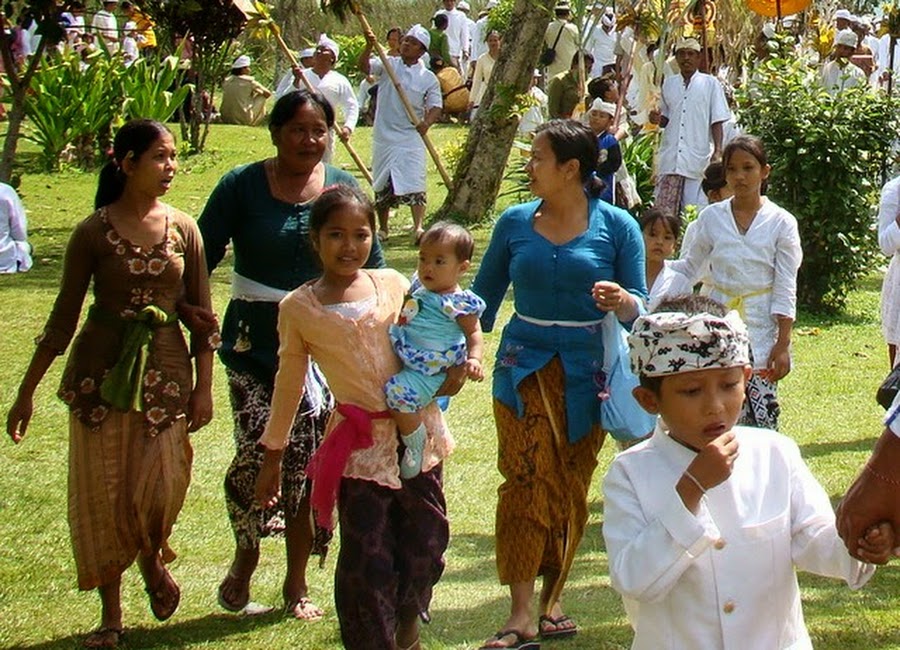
550	627
105	637
230	605
164	597
520	641
303	603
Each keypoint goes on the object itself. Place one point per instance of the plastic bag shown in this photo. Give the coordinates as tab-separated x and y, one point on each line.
620	414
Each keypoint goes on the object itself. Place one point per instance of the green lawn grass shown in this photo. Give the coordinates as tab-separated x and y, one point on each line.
828	408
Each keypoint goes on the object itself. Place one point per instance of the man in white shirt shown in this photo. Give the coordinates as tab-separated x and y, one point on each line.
457	33
74	22
336	87
563	37
693	109
839	73
601	42
398	153
467	57
106	26
883	71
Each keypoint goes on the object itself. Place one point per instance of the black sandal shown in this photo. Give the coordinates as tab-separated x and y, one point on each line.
164	597
104	637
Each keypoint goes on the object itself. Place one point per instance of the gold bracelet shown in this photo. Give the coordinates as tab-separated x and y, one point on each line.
881	477
696	482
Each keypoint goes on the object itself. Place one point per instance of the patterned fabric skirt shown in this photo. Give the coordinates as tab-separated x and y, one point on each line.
761	407
392	555
250	406
387	198
669	193
542	507
125	491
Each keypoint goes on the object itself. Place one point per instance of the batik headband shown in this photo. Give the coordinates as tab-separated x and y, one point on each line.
666	343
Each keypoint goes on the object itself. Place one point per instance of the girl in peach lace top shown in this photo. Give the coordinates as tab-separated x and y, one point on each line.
396	529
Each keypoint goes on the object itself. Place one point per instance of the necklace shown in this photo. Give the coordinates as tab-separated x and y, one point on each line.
292	196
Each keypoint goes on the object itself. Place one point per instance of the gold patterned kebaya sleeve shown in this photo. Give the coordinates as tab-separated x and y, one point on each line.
293	361
196	282
77	270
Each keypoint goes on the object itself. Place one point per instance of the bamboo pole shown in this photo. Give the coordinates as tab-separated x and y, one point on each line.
276	32
410	112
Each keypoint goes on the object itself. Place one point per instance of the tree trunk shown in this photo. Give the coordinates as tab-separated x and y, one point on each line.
480	170
16	116
19	82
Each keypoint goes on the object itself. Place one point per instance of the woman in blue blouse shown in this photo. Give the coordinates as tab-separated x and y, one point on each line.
570	258
262	209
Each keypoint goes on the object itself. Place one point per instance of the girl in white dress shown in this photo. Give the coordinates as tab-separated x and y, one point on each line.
661	232
889	241
753	246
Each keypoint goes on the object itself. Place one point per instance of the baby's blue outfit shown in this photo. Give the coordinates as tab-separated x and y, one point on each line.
428	340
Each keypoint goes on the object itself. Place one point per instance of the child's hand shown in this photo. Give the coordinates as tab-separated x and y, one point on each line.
199	320
877	545
456	377
268	482
19	416
200	409
713	464
778	365
474	371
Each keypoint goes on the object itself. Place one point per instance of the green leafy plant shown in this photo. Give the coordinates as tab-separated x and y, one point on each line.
72	103
826	155
637	156
147	88
351	48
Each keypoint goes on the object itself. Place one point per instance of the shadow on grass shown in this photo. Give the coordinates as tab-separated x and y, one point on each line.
181	634
815	449
596	608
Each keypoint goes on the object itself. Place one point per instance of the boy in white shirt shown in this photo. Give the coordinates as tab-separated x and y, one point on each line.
705	521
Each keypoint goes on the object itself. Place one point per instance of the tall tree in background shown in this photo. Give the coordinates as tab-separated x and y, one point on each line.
45	13
212	25
480	170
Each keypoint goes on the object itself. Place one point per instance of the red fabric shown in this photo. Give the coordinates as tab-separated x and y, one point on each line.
326	467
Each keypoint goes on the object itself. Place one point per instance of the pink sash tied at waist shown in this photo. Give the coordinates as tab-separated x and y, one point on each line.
326	467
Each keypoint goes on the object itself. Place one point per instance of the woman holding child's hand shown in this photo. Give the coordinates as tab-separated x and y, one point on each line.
570	258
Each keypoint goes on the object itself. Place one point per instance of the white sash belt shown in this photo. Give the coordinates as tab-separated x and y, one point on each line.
561	323
252	291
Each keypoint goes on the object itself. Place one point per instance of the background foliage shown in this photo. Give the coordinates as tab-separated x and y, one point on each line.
71	106
827	155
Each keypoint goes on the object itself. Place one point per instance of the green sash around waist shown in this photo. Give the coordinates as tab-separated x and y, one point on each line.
123	386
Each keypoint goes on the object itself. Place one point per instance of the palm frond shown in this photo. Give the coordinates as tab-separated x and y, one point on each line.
340	8
258	19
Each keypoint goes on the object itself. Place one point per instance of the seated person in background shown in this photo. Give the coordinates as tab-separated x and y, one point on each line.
701	548
243	97
15	251
537	111
453	88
